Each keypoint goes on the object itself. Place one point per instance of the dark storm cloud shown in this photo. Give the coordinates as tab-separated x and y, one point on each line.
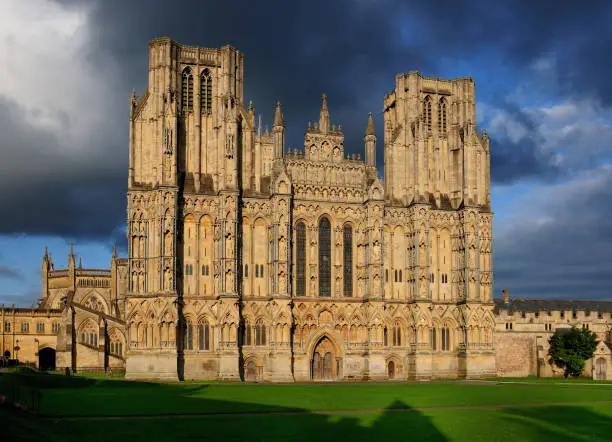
513	159
566	255
45	190
294	51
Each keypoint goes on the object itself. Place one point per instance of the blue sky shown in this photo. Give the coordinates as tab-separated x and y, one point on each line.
541	69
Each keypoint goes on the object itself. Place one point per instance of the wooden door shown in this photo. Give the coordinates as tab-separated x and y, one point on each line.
316	367
327	366
251	371
600	369
391	370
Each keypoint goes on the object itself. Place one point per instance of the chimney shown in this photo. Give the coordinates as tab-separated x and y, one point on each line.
506	296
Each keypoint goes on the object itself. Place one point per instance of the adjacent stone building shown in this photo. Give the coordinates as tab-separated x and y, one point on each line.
251	261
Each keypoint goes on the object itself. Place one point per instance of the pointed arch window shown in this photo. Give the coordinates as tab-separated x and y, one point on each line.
348	261
442	115
206	92
300	259
397	334
324	258
427	112
187	90
188	336
204	336
260	333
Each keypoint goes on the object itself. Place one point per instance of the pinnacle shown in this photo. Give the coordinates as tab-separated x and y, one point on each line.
278	116
370	129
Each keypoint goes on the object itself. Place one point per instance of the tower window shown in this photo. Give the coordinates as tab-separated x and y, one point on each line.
187	90
442	115
206	93
427	112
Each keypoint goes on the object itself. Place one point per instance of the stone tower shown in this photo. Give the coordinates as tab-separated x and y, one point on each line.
437	163
186	134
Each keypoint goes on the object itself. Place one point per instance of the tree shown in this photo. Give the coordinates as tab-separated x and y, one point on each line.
569	349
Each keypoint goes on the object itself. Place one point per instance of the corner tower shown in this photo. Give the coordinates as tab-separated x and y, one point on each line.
187	133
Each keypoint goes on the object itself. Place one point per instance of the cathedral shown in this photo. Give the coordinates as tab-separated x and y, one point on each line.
250	261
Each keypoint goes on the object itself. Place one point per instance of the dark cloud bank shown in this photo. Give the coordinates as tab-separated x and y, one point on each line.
295	51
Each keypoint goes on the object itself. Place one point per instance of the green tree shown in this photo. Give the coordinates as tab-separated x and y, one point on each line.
570	349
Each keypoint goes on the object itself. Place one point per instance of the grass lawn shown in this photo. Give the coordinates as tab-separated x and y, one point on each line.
107	409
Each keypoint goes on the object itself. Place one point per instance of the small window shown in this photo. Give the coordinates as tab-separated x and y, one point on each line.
562	314
25	327
246	270
40	327
386	275
7	326
574	315
599	315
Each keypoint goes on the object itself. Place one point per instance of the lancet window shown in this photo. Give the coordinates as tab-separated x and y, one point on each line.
442	115
204	336
187	90
324	258
205	93
348	261
427	112
300	259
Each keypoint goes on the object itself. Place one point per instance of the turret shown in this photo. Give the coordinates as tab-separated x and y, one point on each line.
72	268
278	132
370	142
46	267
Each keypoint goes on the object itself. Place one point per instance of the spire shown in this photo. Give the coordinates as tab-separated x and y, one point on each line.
71	254
324	116
259	126
115	250
370	129
46	255
278	116
80	263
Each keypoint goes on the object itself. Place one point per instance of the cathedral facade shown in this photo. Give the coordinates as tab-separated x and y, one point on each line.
249	261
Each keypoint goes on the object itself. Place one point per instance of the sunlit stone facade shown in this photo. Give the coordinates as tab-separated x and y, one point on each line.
250	261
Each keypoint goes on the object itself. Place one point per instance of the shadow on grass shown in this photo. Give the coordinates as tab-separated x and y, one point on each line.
561	422
115	410
126	407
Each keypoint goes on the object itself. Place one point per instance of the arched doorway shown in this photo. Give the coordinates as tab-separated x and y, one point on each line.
600	369
325	363
391	369
46	359
250	371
